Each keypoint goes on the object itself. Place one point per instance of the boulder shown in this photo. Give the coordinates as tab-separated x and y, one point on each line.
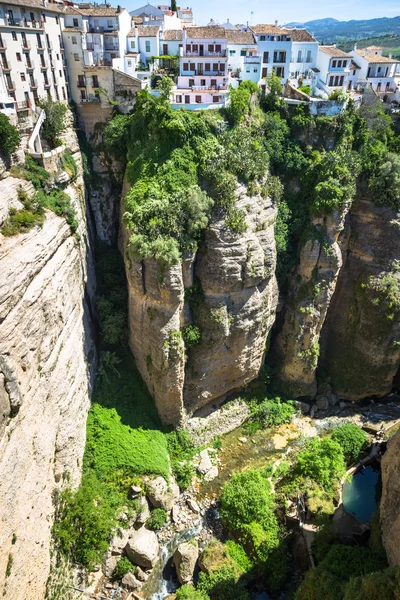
333	399
194	507
205	463
313	410
108	565
129	581
134	491
141	575
119	542
185	559
142	548
162	494
322	402
175	512
211	474
143	512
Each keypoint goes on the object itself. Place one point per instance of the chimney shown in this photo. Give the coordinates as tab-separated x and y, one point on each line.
334	45
118	9
390	54
365	52
276	23
355	46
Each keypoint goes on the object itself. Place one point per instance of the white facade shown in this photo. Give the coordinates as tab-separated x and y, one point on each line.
303	60
148	40
275	46
244	60
380	72
334	67
203	78
31	53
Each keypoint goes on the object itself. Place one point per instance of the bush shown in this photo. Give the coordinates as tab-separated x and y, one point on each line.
9	136
181	451
384	585
272	411
306	89
115	136
238	554
188	592
123	567
385	183
223	584
157	519
191	335
352	440
322	460
69	165
54	123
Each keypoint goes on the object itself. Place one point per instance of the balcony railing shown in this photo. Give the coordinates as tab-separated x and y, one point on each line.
207	87
43	66
204	54
252	58
5	66
10	84
3	45
24	105
91	98
33	83
26	45
112	47
30	66
203	73
23	23
47	84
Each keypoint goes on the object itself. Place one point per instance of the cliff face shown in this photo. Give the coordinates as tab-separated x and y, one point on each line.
232	286
45	352
390	501
307	303
361	350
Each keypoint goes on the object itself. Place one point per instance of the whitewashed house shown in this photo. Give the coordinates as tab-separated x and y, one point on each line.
303	60
203	77
32	62
275	46
149	42
244	60
334	68
171	41
380	72
161	16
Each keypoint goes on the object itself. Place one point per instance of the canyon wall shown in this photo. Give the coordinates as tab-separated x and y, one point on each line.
390	501
46	358
228	289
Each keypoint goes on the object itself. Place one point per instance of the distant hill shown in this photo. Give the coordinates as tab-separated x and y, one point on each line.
333	31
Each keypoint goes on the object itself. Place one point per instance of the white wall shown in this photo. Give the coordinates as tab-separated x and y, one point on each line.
154	48
306	49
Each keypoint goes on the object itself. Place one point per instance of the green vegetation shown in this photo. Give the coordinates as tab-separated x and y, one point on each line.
123	567
9	136
69	165
223	584
32	171
352	440
115	136
188	592
181	451
54	123
191	335
157	519
271	411
306	89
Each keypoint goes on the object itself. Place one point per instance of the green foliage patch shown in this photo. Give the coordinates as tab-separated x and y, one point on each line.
9	136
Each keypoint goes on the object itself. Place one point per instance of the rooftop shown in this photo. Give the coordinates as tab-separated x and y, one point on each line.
334	52
209	33
95	12
370	57
268	28
60	8
147	9
239	37
173	35
300	35
148	30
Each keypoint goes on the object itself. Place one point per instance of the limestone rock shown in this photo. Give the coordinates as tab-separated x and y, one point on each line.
185	559
194	507
322	402
141	575
162	494
108	565
144	511
130	582
390	501
134	491
119	542
313	410
205	462
211	474
175	513
142	548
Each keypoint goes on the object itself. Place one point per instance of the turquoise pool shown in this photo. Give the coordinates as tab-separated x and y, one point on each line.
361	495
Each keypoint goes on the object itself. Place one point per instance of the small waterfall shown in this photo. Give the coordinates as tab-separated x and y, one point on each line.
162	580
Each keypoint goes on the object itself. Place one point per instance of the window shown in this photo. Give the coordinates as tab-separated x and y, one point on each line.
178	99
354	72
188	47
213	83
341	80
83	94
207	67
211	47
308	59
187	99
57	20
280	71
264	72
279	57
215	99
339	64
232	52
147	45
110	23
60	72
73	39
217	47
133	44
247	69
331	80
23	77
191	82
255	70
262	38
76	57
57	56
300	56
75	22
19	59
344	64
81	81
95	81
222	67
266	57
39	40
14	36
129	63
43	18
42	62
185	66
243	52
63	92
334	64
202	82
215	67
198	99
195	48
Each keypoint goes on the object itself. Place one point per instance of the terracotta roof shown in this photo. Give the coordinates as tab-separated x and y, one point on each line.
209	33
370	57
72	30
59	8
300	35
148	30
375	48
239	37
268	29
137	20
354	65
334	52
171	35
100	12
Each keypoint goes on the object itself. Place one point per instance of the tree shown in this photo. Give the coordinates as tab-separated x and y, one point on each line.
352	440
173	6
385	183
9	136
322	460
273	97
54	123
165	85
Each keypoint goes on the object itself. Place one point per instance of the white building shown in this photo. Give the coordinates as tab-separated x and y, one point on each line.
171	42
186	16
304	53
334	68
203	78
380	72
244	59
161	16
31	52
275	47
149	42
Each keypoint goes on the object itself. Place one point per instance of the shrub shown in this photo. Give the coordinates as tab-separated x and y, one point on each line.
9	136
69	165
384	585
385	183
188	592
115	136
306	89
238	554
123	567
54	123
322	460
181	451
352	440
223	584
272	411
157	519
191	335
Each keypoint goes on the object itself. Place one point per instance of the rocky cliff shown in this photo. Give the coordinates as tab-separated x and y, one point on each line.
390	501
46	348
227	289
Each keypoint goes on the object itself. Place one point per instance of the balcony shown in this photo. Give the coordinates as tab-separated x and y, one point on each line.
253	58
5	66
24	105
81	83
3	45
26	46
111	47
43	66
203	73
47	84
91	98
22	22
10	85
30	66
50	45
33	84
203	88
197	54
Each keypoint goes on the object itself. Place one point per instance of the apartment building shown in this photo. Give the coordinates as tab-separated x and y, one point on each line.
303	60
94	41
275	47
371	68
160	16
334	68
32	64
244	59
203	77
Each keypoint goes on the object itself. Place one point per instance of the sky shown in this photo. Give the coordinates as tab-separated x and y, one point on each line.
239	11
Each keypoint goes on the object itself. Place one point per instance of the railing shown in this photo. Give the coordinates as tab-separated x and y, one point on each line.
3	45
33	84
222	53
5	66
22	23
252	58
111	47
47	84
10	84
26	45
91	98
203	73
24	105
30	66
207	87
43	66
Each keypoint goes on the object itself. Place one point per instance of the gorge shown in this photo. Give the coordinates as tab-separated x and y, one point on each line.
256	278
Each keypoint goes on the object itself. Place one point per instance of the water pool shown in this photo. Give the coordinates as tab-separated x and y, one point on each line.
361	495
